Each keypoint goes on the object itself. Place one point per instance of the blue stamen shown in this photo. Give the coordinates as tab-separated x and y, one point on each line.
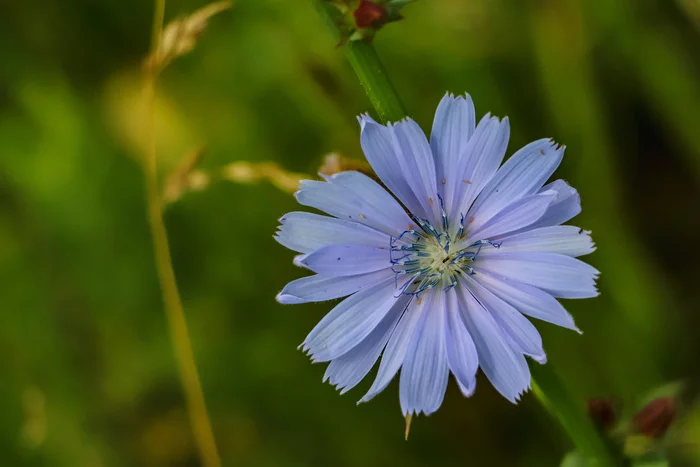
425	225
424	265
444	214
409	232
452	284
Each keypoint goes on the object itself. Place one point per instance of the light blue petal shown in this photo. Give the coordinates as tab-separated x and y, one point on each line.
526	299
562	239
319	288
454	124
476	166
521	175
349	202
516	215
418	166
305	232
347	371
521	333
566	205
298	260
347	260
425	370
346	325
383	153
504	367
395	352
380	210
461	352
561	276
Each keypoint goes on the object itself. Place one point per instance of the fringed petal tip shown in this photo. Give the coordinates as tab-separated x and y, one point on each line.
299	192
451	95
554	145
315	354
306	350
415	412
364	119
517	398
336	384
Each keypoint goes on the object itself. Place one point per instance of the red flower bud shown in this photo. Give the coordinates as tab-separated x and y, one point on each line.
369	15
654	419
602	412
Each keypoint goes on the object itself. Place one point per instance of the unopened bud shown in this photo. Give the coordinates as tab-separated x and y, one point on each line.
654	420
369	15
359	20
602	412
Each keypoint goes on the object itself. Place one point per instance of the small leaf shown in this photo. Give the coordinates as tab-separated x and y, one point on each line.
673	389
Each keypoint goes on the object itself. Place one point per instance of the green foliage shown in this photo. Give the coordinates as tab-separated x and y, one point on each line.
574	459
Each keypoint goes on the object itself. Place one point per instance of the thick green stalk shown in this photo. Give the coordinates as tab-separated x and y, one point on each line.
548	388
367	66
369	69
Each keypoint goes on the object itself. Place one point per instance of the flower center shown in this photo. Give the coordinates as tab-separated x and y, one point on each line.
427	257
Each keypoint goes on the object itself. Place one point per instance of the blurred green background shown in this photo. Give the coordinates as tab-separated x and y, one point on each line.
88	374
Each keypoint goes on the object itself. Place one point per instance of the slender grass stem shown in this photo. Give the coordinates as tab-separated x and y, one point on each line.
547	387
177	323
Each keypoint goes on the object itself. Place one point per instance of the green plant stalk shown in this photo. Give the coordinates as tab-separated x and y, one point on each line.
553	395
547	386
370	70
177	323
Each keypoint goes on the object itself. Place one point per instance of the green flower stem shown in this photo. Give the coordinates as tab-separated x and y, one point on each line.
367	66
175	313
369	69
547	386
550	391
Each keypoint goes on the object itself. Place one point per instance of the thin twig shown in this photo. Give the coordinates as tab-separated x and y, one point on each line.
196	407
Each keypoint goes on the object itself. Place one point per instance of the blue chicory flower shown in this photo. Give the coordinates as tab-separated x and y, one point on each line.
440	276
